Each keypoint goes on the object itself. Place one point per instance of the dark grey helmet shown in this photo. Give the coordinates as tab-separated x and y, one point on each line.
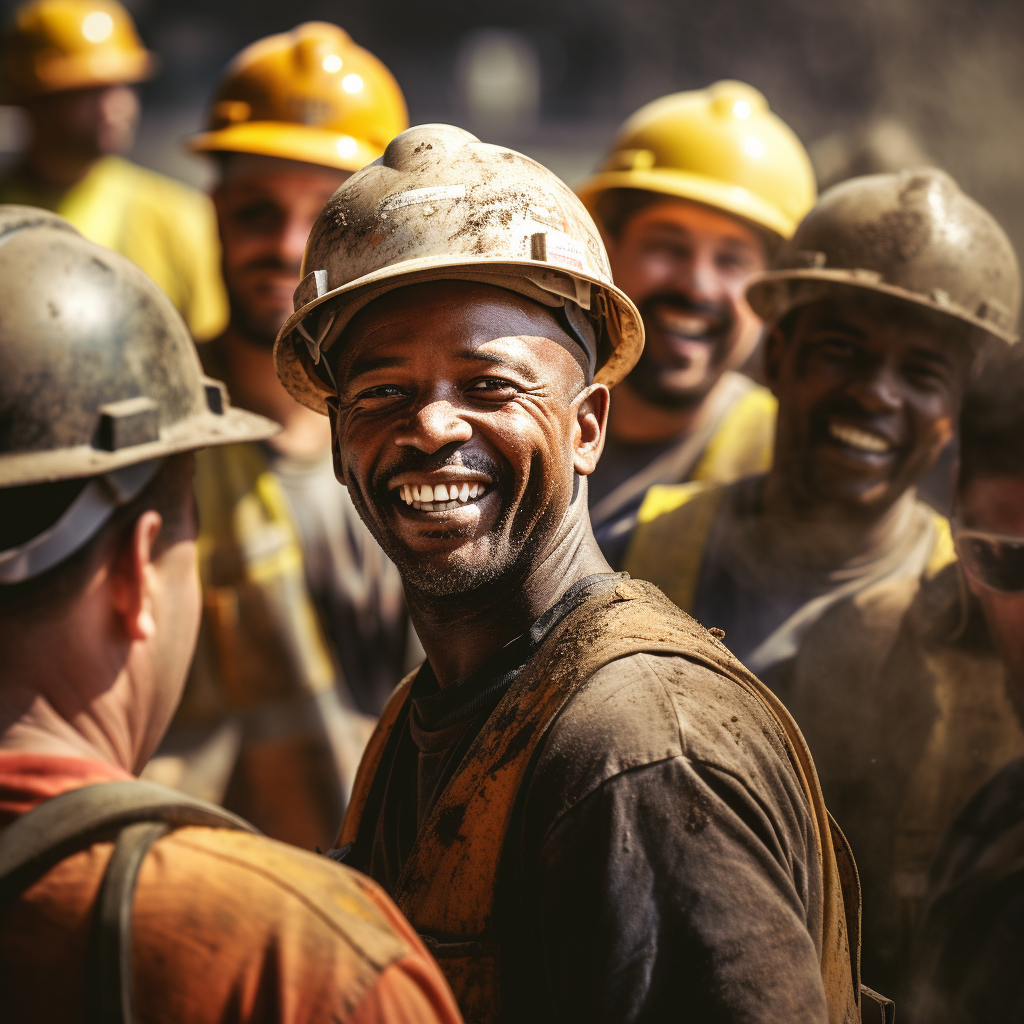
914	235
97	369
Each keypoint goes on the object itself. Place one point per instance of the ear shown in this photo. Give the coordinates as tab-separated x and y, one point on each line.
591	409
334	415
774	348
131	569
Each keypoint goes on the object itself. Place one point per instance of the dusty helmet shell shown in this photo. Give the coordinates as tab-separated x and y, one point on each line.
913	235
440	204
97	369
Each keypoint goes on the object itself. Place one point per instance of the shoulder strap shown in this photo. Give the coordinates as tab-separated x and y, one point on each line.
462	839
676	465
393	714
137	814
657	550
744	442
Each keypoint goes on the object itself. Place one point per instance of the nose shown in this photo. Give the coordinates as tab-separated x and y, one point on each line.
434	424
698	278
878	390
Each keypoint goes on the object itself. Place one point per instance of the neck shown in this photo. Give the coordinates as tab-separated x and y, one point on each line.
830	533
64	694
633	419
54	166
248	371
460	633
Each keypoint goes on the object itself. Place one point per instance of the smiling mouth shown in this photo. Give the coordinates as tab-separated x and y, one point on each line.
691	326
441	497
861	440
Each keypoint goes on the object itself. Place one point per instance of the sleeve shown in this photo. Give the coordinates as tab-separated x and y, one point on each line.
671	892
410	991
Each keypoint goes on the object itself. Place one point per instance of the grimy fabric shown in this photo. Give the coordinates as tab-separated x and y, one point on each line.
966	962
633	833
228	928
907	709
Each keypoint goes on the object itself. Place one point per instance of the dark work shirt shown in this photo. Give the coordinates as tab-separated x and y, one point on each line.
969	955
661	863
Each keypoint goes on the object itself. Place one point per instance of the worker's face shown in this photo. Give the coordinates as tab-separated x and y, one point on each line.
88	123
686	268
869	389
477	391
995	504
264	221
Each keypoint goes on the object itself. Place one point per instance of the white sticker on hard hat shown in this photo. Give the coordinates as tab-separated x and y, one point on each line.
415	196
557	247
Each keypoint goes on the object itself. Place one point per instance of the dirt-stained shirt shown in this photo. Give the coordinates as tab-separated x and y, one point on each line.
662	860
227	927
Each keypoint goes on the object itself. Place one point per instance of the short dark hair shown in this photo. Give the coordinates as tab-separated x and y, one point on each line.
25	512
992	417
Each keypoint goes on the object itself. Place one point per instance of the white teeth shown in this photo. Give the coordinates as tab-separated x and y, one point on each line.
435	498
860	439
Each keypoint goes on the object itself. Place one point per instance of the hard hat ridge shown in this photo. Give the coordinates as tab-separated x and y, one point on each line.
441	205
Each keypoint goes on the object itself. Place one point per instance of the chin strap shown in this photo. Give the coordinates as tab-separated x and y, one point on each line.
80	522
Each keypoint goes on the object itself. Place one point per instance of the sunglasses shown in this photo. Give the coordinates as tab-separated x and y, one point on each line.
995	560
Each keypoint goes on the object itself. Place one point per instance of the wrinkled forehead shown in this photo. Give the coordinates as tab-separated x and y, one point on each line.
450	315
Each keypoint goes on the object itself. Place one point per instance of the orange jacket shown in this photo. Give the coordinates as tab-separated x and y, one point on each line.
227	927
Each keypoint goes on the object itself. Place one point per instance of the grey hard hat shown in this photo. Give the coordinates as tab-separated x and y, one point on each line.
913	235
440	204
99	379
97	368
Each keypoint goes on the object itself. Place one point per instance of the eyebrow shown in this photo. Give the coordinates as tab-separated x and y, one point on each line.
368	364
478	356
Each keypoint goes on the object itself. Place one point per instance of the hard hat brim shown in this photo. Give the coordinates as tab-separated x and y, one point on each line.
84	71
775	293
288	141
209	430
295	367
731	199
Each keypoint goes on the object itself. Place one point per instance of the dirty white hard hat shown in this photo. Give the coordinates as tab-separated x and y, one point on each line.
441	205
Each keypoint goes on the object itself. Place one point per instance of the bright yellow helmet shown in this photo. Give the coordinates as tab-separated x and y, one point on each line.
310	94
720	146
55	45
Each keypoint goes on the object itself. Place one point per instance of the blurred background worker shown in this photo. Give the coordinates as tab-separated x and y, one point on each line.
301	607
71	65
923	701
699	190
876	314
970	639
99	610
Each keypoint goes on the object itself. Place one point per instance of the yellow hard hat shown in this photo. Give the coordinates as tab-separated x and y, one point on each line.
720	146
55	45
310	94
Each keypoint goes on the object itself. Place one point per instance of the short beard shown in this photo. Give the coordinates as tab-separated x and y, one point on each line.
260	332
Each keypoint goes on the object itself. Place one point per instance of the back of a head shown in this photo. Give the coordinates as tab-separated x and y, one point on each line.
100	390
992	417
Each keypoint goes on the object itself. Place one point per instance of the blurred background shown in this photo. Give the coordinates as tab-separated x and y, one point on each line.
869	84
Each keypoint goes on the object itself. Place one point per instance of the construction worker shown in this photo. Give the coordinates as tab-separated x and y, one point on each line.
71	65
698	192
579	785
301	606
876	308
102	401
911	697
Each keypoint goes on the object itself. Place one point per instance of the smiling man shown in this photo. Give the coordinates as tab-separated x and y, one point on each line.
302	607
700	189
923	703
582	801
877	308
